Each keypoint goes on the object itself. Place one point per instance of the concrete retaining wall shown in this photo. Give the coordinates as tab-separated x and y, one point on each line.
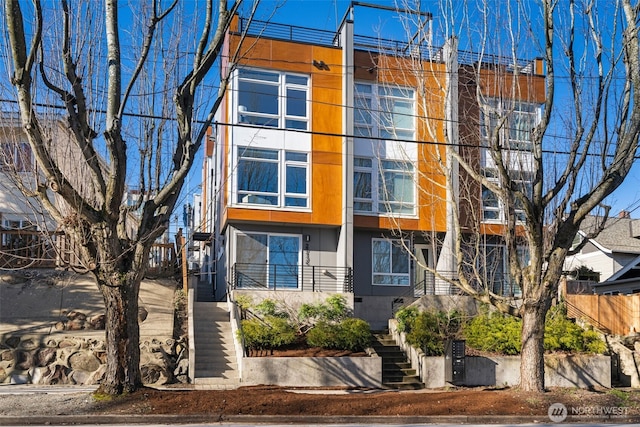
313	371
578	370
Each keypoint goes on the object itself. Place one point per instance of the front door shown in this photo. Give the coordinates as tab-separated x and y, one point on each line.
424	280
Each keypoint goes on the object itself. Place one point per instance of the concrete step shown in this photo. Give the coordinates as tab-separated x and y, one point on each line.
215	357
396	371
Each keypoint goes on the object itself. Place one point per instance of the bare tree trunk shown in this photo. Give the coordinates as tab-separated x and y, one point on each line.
122	336
532	352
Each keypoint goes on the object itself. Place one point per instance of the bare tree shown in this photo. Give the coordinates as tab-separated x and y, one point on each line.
136	101
527	155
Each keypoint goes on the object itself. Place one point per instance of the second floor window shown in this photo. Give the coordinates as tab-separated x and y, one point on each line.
384	186
276	178
273	99
384	112
517	120
493	207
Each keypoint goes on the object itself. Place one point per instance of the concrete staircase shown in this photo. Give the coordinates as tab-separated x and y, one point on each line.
216	365
396	370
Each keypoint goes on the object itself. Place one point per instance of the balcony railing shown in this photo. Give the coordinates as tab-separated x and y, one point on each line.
402	48
309	278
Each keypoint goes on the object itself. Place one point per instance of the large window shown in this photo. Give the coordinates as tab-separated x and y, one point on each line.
390	262
516	120
493	207
268	260
386	186
272	177
384	112
273	99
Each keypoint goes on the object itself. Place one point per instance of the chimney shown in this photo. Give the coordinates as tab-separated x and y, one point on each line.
624	214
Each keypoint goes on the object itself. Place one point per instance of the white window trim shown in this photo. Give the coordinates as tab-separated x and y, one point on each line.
498	107
501	209
373	273
282	182
375	96
282	85
378	206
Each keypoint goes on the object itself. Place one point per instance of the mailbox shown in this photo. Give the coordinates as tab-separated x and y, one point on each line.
454	361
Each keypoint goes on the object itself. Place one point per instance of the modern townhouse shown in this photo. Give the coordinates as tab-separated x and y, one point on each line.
327	167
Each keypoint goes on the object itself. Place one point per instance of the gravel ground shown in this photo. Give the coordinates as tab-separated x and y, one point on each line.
20	402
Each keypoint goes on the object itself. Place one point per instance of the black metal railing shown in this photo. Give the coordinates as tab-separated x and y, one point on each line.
403	48
291	277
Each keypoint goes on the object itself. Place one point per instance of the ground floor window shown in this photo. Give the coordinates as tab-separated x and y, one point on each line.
390	262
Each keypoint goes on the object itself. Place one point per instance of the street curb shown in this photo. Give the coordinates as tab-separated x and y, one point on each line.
299	419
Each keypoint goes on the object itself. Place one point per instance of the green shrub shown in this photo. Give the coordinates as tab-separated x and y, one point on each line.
322	335
350	334
267	334
562	334
354	334
500	333
406	316
268	307
428	330
334	309
494	332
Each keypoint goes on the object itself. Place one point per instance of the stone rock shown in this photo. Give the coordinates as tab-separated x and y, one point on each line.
44	356
3	375
68	343
182	368
6	355
60	326
154	374
97	322
97	376
76	315
86	362
20	379
12	342
142	314
28	344
58	374
24	360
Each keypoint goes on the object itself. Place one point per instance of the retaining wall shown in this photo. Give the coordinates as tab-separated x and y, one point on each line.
74	359
313	371
580	370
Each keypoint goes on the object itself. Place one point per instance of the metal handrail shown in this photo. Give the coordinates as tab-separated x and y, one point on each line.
291	277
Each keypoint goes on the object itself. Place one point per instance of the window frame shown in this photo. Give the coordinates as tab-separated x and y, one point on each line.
493	110
369	122
379	201
285	83
283	195
400	276
499	208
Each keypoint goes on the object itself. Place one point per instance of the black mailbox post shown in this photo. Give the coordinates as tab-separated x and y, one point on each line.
454	362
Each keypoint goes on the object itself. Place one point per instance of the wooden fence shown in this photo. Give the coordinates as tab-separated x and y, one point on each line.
21	249
615	314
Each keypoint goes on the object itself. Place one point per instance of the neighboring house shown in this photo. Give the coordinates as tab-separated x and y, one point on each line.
614	253
319	158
